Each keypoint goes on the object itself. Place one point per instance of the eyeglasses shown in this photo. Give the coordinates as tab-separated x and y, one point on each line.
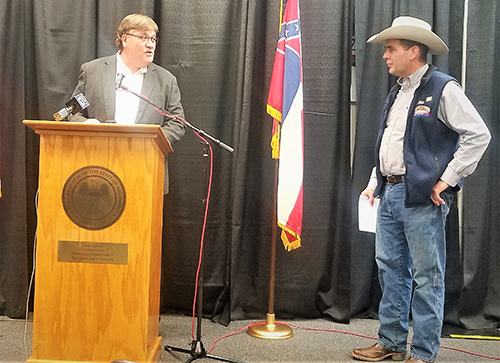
145	38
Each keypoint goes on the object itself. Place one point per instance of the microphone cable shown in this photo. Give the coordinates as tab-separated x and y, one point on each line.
207	204
205	215
346	333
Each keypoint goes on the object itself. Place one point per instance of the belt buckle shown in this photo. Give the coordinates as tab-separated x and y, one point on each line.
394	179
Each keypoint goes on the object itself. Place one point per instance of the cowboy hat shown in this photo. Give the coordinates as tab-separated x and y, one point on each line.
409	28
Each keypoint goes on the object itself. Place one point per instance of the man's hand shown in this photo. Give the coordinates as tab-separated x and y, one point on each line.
436	192
368	193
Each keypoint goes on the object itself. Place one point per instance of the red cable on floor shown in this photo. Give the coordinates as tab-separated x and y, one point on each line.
343	332
228	335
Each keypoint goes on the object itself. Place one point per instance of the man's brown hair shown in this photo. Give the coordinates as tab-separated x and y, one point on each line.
424	49
134	21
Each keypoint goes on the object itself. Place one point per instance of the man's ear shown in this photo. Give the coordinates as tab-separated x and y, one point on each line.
415	52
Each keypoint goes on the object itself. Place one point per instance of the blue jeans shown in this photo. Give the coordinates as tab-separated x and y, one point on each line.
411	251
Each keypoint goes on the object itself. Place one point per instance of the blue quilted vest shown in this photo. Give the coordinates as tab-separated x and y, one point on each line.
429	144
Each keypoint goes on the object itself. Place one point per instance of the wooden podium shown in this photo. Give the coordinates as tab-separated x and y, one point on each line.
98	252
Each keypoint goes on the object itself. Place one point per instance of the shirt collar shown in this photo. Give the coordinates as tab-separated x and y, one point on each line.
413	79
123	69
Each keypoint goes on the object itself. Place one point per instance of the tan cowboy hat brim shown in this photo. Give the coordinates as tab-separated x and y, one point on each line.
406	27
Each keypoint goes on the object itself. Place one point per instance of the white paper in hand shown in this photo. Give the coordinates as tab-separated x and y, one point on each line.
367	214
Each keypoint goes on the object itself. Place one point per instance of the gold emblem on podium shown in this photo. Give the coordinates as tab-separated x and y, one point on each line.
94	197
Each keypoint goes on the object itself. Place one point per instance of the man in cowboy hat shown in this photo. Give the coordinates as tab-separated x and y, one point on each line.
430	138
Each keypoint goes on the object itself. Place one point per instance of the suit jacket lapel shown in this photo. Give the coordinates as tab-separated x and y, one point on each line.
147	89
108	86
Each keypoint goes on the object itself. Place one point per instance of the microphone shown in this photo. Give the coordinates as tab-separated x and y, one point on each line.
74	105
118	83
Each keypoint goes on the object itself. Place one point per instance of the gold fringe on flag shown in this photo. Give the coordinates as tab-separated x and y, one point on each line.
289	245
275	140
274	113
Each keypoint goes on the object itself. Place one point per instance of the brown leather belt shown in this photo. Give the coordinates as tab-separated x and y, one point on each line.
394	179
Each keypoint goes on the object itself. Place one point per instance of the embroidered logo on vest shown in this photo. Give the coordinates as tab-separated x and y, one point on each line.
422	110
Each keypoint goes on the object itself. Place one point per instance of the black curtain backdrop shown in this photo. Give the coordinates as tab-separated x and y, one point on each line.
222	53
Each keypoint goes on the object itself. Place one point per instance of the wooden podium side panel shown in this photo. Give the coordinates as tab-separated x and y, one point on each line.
93	311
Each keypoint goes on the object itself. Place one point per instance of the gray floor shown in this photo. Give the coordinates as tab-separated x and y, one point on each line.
333	345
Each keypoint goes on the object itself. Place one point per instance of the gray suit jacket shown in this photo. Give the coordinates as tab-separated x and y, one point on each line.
97	82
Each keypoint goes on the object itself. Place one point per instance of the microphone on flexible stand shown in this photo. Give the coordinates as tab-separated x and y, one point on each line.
119	86
74	105
118	83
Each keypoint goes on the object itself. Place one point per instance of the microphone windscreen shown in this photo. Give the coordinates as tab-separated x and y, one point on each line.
77	103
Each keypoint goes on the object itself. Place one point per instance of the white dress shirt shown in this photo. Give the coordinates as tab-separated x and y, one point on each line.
126	104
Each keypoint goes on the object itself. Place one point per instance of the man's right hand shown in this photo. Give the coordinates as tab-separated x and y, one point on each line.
368	193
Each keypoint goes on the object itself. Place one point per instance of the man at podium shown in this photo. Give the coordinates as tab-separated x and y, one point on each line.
101	81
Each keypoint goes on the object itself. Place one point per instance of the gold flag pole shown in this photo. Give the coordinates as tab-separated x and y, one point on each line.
271	330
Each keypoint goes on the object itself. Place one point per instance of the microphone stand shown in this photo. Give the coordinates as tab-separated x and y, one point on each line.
164	112
197	350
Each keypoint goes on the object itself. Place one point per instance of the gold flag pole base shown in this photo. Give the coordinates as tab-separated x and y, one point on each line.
271	330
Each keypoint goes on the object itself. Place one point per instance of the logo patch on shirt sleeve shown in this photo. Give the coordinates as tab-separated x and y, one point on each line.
422	110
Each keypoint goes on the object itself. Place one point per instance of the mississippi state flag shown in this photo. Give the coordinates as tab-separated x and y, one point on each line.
285	104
